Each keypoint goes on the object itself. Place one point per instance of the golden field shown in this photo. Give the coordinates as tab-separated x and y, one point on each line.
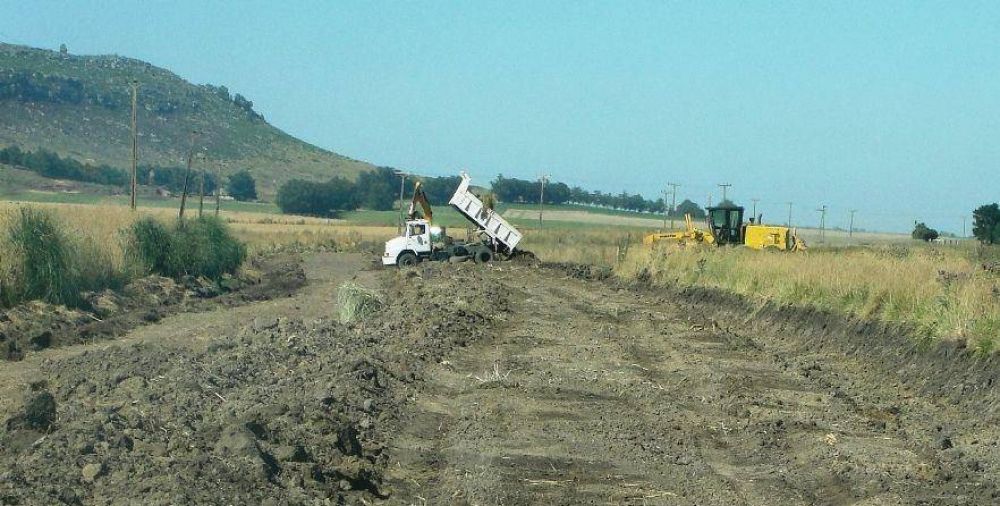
943	291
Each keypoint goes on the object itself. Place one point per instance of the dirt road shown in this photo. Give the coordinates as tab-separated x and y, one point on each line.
591	395
511	384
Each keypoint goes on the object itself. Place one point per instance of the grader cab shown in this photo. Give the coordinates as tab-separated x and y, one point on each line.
728	227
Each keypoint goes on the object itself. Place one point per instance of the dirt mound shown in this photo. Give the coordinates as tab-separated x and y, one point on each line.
37	325
281	412
581	271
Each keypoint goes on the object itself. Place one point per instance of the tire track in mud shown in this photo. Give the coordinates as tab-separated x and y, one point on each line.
591	395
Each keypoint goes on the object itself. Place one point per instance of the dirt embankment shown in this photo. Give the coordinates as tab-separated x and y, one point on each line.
282	411
36	326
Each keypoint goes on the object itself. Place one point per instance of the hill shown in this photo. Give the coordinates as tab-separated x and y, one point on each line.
80	106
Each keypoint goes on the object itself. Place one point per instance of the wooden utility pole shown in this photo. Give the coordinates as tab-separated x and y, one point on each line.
541	197
201	191
187	175
135	143
822	223
754	214
402	182
673	203
963	226
218	188
724	187
789	222
850	231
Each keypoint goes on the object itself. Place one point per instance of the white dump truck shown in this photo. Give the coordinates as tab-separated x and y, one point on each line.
496	238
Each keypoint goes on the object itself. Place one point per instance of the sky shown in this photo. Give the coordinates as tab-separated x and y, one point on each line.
890	108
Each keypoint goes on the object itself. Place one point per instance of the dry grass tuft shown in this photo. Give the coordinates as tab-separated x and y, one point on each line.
357	303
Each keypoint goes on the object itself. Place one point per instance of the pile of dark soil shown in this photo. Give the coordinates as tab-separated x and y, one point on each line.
280	412
581	271
37	325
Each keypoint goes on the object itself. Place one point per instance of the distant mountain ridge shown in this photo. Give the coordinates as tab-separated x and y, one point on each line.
80	106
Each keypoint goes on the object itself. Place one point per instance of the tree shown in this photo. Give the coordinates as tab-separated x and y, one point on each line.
376	190
317	199
924	233
241	186
688	207
986	223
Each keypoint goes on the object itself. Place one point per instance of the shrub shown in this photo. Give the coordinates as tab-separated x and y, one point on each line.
200	247
205	247
150	242
43	268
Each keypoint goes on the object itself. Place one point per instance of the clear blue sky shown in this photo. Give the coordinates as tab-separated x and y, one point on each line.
892	108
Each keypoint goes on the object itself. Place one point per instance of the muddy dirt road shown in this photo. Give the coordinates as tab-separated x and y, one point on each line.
511	385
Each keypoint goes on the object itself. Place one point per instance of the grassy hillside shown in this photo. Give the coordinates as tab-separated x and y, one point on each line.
80	106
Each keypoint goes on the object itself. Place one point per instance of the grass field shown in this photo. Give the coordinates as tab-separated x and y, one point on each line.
941	290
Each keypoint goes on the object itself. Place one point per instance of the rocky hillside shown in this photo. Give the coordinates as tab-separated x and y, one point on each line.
80	106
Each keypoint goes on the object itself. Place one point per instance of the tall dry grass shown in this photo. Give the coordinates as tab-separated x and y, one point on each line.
592	246
944	292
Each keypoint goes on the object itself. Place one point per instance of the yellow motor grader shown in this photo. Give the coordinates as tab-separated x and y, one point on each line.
726	227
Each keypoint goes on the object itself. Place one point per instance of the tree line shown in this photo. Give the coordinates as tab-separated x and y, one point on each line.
49	164
523	191
379	190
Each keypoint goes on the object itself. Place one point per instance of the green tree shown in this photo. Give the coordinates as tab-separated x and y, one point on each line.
924	233
688	207
317	199
377	189
242	186
986	223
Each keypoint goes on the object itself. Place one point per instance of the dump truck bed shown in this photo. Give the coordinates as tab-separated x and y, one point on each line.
487	220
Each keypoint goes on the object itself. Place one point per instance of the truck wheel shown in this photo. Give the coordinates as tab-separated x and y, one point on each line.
406	259
484	256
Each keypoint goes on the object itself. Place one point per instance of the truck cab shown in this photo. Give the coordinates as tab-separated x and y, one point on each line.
409	248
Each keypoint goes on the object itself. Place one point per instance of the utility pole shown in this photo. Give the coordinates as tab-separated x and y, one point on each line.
822	223
402	182
789	222
201	189
673	203
963	226
218	188
754	214
850	231
724	187
541	197
135	143
666	209
187	175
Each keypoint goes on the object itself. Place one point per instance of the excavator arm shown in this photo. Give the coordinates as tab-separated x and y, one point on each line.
419	197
